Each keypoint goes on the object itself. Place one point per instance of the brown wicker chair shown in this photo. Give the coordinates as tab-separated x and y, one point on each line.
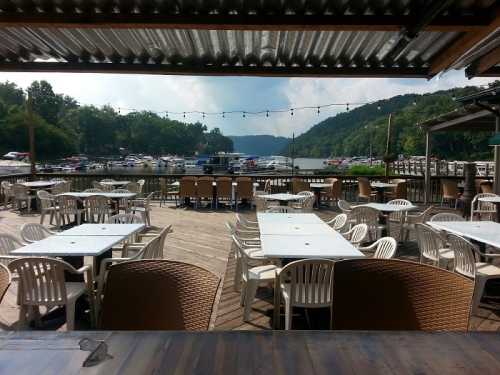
298	185
205	188
158	294
380	294
5	279
244	190
365	189
224	190
399	192
187	189
450	191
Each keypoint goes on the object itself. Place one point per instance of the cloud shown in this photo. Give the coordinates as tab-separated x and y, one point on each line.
217	94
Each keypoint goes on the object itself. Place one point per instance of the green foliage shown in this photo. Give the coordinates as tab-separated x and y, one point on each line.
259	144
351	133
366	170
62	127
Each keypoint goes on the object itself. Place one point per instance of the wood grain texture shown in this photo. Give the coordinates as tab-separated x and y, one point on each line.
271	352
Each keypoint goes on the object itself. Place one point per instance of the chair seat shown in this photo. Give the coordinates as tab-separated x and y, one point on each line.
285	292
488	270
254	252
75	290
447	254
261	273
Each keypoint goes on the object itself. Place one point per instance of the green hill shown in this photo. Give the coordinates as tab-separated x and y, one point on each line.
261	145
349	133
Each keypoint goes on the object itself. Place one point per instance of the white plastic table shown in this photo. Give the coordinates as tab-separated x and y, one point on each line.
70	246
388	208
486	232
381	187
282	198
39	184
104	193
301	236
115	183
214	184
122	230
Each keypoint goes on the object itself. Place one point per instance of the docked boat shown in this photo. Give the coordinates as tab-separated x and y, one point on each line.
15	162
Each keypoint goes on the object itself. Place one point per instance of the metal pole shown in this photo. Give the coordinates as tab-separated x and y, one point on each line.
293	152
388	145
427	176
31	133
496	181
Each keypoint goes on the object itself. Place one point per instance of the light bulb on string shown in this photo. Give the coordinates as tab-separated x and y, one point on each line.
318	111
267	113
166	113
203	114
223	114
347	107
379	107
184	114
244	114
414	102
291	112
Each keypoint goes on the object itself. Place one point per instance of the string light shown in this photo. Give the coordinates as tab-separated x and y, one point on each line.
203	114
291	111
223	114
267	113
347	107
379	107
318	111
244	114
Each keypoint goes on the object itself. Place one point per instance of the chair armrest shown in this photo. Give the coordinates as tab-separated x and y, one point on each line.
11	257
368	248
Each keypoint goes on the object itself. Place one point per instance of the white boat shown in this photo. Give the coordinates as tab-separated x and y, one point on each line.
150	161
132	161
277	163
15	162
191	164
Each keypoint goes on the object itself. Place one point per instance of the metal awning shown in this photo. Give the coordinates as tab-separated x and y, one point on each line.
361	38
470	118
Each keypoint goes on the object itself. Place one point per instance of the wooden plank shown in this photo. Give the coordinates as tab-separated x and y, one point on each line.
485	63
463	44
216	70
454	23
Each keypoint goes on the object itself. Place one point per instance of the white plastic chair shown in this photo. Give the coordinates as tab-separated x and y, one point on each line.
22	195
411	220
368	216
303	283
41	283
252	277
483	209
357	234
446	216
123	203
346	208
399	217
125	219
143	206
48	206
465	264
252	251
33	232
338	222
385	248
68	205
250	224
7	192
97	208
432	246
7	244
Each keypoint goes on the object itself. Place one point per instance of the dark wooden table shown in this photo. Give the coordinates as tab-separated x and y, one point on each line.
264	352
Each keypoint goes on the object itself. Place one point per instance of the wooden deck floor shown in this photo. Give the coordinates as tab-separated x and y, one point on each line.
200	238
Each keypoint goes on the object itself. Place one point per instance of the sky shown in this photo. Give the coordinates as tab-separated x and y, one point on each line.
218	94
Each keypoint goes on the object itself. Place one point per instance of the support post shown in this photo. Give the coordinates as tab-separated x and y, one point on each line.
496	181
427	176
388	145
469	187
31	133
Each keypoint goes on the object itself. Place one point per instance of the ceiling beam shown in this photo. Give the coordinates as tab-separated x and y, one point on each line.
466	118
465	23
491	72
484	63
213	70
462	45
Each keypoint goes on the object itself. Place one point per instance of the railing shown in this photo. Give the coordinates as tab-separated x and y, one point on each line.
440	168
279	183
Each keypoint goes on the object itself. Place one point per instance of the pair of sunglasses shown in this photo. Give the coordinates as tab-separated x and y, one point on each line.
98	351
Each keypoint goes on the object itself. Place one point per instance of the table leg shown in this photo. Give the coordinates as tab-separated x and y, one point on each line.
318	198
497	205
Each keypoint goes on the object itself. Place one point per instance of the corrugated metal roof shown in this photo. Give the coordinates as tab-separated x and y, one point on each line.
193	50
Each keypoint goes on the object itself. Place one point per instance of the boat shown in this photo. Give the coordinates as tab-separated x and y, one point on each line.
221	162
15	162
132	161
149	161
275	163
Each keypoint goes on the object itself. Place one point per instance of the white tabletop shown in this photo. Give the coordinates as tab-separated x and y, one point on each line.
214	183
302	236
39	183
384	207
103	193
487	232
281	197
122	230
495	199
69	246
115	183
332	246
317	185
383	185
284	218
